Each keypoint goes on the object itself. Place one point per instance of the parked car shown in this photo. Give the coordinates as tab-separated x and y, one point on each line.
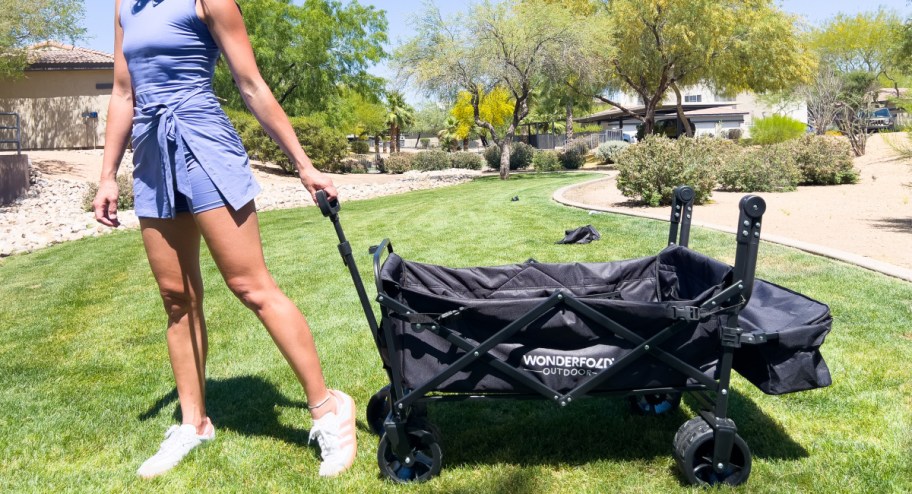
879	119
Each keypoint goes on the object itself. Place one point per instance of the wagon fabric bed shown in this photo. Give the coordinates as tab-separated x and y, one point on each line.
648	328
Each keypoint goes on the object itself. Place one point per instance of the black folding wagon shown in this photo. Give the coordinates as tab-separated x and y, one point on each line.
648	329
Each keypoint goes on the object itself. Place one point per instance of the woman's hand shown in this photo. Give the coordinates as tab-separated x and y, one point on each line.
105	203
313	181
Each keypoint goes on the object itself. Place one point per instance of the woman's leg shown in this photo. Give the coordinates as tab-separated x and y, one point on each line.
172	247
233	238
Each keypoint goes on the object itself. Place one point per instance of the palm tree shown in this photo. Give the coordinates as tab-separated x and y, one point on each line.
399	114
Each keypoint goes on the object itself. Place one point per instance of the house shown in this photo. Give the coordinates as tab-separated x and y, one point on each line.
708	112
62	98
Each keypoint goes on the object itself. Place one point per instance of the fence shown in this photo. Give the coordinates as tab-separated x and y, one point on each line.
592	141
4	129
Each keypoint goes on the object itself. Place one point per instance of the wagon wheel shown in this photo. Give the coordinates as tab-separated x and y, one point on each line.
654	404
424	444
693	452
378	408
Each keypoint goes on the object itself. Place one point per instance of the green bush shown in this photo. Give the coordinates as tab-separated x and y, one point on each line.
325	147
431	160
651	169
425	143
360	147
466	160
573	156
546	161
352	165
124	193
733	134
609	151
398	163
824	160
761	169
776	128
520	155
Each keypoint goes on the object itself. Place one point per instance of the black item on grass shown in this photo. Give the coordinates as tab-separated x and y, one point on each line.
581	235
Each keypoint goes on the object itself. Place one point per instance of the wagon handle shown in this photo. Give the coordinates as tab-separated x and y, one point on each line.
327	207
330	209
748	232
681	212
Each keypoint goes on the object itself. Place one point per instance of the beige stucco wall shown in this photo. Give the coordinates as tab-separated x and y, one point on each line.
51	104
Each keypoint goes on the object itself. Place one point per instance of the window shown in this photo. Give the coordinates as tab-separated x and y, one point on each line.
693	98
721	98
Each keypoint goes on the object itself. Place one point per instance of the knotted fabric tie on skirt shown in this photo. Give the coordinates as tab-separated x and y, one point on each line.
168	130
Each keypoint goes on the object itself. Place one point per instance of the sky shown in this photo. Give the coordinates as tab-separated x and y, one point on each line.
99	17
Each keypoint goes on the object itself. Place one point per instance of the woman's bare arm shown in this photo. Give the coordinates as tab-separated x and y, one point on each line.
227	27
117	131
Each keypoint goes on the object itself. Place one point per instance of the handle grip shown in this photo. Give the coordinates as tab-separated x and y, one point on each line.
327	207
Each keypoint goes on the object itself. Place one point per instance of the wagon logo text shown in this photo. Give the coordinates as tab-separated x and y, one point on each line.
561	365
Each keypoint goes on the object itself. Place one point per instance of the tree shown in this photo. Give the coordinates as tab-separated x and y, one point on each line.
557	93
856	105
430	118
730	45
503	44
398	115
494	107
309	53
25	22
822	98
361	116
866	42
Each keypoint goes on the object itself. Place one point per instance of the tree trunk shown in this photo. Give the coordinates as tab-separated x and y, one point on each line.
569	121
465	143
417	140
505	147
688	130
377	143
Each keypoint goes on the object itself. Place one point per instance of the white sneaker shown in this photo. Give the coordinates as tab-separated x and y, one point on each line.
335	432
179	440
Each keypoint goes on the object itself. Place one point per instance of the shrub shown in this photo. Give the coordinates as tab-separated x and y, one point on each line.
124	193
762	169
398	163
325	147
650	170
571	158
609	151
734	134
776	128
360	147
824	160
353	165
466	160
431	160
425	143
546	161
520	155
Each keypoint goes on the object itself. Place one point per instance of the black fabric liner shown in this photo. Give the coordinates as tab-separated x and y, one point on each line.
635	293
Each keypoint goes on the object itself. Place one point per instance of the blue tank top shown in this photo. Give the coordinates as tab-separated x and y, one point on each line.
171	58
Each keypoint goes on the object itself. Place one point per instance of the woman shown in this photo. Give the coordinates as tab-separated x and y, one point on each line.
192	180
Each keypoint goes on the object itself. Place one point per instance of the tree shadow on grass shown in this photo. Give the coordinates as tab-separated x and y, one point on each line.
538	433
248	405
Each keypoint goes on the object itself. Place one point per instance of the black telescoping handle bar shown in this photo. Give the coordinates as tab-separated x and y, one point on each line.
748	232
681	212
331	209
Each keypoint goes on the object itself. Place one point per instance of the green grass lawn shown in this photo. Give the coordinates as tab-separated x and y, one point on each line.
86	390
